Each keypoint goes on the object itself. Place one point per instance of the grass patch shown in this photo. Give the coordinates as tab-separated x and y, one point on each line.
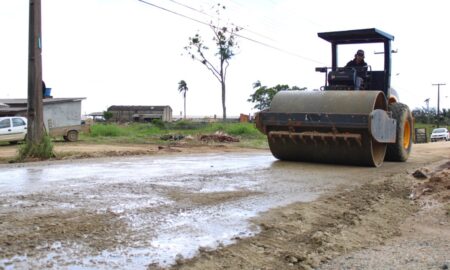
43	150
242	129
142	133
108	130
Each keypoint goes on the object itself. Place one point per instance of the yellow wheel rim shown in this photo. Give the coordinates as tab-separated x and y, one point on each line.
406	135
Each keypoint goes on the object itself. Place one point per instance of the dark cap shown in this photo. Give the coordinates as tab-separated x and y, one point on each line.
360	53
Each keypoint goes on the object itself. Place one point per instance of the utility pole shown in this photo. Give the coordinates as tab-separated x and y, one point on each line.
438	99
35	104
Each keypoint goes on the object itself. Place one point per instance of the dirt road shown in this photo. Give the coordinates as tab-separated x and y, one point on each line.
80	214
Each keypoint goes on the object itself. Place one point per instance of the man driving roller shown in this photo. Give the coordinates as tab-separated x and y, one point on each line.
360	66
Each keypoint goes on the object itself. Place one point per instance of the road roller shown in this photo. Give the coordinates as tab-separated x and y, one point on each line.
338	124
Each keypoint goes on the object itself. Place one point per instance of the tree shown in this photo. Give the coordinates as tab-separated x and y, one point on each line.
430	116
224	36
107	115
182	88
263	95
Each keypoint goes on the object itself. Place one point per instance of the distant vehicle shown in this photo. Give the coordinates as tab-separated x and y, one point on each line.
439	134
13	129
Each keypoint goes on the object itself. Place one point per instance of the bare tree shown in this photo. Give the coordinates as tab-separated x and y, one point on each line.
224	36
182	88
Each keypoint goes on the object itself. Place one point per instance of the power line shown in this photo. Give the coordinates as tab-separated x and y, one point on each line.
279	49
173	12
239	35
189	7
204	13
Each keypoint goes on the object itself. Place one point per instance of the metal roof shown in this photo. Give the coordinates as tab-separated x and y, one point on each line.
17	105
13	109
96	114
370	35
24	101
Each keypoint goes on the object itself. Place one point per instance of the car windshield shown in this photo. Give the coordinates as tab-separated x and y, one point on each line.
439	130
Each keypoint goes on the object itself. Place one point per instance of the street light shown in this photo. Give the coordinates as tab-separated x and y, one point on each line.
427	101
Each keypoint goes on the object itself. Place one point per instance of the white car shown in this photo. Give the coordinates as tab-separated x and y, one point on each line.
439	134
13	129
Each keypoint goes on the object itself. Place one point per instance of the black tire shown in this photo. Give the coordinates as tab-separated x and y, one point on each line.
400	150
72	136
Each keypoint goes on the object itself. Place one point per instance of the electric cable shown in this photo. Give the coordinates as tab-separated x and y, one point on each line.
239	35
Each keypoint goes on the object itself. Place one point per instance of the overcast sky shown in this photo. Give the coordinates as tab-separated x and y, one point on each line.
125	52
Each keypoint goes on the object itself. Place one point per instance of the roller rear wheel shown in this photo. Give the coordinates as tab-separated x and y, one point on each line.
400	150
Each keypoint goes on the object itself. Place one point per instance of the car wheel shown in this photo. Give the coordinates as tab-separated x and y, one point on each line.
72	136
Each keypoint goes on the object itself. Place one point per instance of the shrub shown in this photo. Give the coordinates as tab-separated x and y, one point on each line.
158	123
186	124
241	129
108	130
44	150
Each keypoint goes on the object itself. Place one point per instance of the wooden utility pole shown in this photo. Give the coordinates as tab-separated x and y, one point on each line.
438	100
35	95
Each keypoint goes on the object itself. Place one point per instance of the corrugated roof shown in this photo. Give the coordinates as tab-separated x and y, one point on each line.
13	109
16	105
24	101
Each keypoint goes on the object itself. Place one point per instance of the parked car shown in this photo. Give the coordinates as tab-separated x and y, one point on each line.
13	129
439	134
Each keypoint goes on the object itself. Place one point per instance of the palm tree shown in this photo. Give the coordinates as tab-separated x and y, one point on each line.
182	88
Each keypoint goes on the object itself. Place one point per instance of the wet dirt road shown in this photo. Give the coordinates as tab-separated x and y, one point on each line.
129	213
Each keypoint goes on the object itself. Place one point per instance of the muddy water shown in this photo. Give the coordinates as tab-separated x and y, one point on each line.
129	213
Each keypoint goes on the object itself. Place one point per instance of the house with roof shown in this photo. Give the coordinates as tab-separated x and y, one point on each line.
62	116
140	113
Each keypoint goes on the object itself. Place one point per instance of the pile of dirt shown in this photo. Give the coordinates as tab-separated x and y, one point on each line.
425	235
28	233
304	235
436	183
218	137
307	235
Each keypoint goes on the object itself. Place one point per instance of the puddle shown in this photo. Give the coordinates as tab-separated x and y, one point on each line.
173	205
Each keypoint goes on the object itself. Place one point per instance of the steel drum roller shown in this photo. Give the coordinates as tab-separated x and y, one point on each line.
325	126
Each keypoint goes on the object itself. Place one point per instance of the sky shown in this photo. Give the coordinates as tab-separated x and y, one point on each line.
127	52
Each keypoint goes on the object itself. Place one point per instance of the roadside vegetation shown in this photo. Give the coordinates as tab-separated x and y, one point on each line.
429	119
429	128
43	150
166	133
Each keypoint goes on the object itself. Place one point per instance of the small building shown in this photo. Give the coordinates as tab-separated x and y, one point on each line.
57	112
97	116
140	113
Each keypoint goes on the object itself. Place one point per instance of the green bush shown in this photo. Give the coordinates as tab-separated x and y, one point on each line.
107	115
44	150
108	130
241	129
158	123
186	124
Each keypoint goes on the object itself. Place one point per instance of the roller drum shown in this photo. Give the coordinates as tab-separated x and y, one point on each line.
328	143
